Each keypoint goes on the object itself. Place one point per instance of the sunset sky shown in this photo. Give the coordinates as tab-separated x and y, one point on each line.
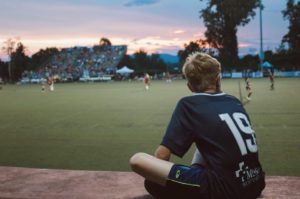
161	26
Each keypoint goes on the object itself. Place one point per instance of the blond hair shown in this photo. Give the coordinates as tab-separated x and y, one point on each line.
201	71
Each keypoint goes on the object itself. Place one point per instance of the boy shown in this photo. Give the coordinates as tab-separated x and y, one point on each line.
219	126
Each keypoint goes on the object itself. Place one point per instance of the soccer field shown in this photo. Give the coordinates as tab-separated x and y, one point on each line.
98	126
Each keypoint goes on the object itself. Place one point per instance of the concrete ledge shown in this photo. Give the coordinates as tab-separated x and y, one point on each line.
25	183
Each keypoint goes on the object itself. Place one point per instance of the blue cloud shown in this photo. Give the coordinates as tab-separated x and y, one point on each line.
140	2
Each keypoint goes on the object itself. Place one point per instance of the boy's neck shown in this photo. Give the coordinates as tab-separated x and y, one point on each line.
210	91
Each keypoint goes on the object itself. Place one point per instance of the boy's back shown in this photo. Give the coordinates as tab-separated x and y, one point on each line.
220	127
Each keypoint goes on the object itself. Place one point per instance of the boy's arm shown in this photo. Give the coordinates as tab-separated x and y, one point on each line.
162	153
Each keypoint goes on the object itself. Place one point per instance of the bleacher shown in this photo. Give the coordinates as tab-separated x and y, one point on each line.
80	63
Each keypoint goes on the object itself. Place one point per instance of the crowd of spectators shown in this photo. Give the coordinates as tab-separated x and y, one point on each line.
71	64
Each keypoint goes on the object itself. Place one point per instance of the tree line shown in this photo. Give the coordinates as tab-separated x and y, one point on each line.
141	62
221	19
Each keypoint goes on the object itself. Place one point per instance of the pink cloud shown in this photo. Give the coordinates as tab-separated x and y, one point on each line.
179	31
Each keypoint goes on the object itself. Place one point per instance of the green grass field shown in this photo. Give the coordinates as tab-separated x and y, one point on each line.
98	126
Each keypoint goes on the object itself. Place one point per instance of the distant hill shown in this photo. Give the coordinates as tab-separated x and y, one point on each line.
169	58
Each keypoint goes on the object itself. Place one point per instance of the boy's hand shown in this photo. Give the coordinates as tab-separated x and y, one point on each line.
162	153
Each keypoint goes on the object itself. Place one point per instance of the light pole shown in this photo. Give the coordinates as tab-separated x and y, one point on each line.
261	52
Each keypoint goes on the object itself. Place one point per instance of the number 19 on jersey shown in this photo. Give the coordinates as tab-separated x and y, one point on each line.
243	126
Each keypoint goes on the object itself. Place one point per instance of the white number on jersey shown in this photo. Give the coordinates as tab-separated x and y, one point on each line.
243	128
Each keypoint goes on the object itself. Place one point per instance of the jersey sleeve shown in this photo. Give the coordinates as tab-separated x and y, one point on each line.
178	137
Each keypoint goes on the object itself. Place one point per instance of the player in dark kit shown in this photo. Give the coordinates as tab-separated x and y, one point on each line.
271	79
225	164
248	88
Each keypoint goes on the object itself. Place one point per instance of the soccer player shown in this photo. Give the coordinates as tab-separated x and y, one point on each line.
271	79
225	164
168	77
147	81
248	88
51	83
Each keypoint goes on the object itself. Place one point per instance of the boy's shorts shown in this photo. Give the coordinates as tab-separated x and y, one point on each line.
187	181
185	175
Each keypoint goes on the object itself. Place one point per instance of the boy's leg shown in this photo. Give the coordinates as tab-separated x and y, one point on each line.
183	182
151	168
167	180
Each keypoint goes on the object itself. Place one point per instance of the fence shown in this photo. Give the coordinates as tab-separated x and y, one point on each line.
259	74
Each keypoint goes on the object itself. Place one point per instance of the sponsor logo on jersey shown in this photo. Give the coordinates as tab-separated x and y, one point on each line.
247	175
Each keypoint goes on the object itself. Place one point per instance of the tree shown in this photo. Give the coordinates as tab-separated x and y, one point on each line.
19	62
249	62
125	61
221	18
104	42
281	59
9	49
3	70
42	57
194	46
292	38
157	65
141	61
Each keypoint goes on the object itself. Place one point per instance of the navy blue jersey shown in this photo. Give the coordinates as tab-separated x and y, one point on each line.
220	127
